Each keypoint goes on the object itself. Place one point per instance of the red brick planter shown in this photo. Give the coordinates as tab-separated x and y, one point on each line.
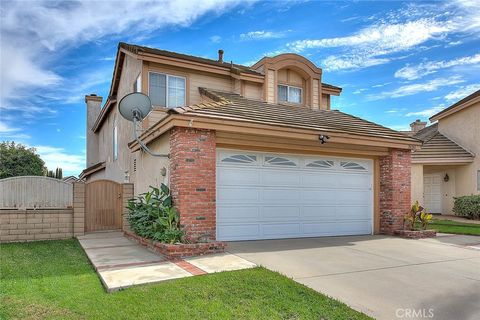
176	251
416	234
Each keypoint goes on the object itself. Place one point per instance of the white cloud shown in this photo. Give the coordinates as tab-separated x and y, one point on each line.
411	89
425	68
28	51
5	128
215	39
462	92
358	91
262	34
426	113
368	46
55	157
11	133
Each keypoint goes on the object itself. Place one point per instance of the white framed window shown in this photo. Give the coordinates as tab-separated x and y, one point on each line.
166	90
321	164
289	94
352	166
115	140
137	85
240	158
279	161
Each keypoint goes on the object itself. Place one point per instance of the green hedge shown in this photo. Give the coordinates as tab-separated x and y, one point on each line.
467	206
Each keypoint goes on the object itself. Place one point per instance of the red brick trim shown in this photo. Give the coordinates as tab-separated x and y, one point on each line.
395	186
177	251
416	234
190	268
193	182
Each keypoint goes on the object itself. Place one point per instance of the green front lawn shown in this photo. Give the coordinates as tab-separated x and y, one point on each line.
54	280
450	226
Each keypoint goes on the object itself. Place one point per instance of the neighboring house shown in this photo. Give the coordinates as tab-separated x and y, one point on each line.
255	152
71	179
447	165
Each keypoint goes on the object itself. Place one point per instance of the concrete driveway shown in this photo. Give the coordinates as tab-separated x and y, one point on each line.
384	277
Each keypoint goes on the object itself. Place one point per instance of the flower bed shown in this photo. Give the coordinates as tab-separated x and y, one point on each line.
416	234
181	250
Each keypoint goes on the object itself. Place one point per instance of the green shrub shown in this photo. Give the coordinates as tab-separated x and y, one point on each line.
467	206
152	216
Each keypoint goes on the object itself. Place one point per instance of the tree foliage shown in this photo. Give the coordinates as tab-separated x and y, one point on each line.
18	160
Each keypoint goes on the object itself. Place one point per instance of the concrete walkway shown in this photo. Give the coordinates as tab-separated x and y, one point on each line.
121	263
385	277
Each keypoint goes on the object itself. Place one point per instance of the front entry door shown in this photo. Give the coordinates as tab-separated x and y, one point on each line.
432	188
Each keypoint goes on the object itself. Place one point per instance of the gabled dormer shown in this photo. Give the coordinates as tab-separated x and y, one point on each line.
295	80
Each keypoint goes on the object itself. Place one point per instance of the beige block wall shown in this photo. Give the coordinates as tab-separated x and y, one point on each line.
463	127
30	225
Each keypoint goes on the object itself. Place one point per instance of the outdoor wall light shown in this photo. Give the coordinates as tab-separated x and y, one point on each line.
323	138
446	178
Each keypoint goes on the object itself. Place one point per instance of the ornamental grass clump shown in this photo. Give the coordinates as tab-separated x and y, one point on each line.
153	216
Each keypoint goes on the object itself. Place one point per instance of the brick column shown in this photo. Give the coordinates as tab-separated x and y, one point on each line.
395	185
127	194
192	181
78	209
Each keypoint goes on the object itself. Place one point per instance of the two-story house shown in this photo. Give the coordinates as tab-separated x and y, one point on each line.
254	152
447	165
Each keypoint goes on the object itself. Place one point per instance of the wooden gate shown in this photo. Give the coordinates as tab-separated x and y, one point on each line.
103	205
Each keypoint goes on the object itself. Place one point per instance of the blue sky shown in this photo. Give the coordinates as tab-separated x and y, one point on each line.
396	61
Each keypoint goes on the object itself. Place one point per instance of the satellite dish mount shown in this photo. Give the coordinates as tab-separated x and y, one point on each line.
135	107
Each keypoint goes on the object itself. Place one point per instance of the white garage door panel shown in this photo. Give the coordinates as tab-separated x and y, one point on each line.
238	232
280	178
239	177
280	213
235	194
234	214
270	196
281	230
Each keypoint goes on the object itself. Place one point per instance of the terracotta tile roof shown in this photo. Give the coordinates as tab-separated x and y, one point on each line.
136	49
235	107
436	146
92	169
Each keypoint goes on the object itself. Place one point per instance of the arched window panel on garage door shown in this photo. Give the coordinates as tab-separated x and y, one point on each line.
240	158
320	164
280	161
350	165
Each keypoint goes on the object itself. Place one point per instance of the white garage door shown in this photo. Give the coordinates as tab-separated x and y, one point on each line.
271	196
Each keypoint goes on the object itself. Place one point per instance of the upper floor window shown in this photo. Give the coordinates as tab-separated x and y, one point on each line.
137	85
166	90
115	140
289	94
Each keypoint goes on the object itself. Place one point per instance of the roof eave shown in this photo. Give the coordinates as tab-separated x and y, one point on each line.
460	105
192	120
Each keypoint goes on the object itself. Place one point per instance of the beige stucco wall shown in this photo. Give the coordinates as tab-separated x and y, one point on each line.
253	90
148	168
448	189
417	183
463	127
115	169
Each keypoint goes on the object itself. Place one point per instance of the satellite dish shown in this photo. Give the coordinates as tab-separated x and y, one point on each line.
135	105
